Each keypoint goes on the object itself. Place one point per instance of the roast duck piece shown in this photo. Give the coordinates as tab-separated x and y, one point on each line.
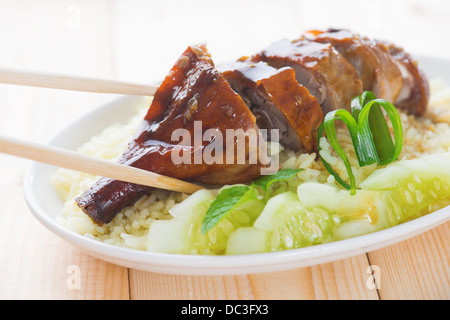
278	101
289	86
385	69
192	91
319	67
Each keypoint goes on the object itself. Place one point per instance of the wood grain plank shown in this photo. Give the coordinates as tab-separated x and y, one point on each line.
418	268
344	279
150	286
34	263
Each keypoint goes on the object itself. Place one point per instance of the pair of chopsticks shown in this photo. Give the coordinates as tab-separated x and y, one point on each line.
76	161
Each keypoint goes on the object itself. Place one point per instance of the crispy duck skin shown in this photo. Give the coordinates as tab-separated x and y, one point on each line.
375	66
192	91
385	69
415	91
278	101
319	67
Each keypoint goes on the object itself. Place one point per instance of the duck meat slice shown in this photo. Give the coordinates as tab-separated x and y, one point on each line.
376	68
415	91
319	67
278	101
194	96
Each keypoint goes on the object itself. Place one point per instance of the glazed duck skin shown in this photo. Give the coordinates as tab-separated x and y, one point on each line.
385	69
319	67
376	68
278	101
415	92
193	91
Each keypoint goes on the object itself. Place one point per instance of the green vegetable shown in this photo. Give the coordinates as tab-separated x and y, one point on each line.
227	200
182	234
320	213
316	213
413	185
230	198
369	133
378	126
283	224
247	240
265	182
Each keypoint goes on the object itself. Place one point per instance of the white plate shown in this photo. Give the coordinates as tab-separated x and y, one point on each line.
45	204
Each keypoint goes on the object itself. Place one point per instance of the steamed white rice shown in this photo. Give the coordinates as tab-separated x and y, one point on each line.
426	135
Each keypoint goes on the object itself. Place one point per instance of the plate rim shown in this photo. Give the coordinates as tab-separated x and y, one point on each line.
222	265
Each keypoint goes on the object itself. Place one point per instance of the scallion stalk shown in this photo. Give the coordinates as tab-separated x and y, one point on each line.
369	133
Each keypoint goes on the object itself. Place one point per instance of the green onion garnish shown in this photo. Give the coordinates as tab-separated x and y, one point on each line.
369	133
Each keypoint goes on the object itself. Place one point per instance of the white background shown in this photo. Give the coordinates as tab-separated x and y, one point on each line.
141	39
137	40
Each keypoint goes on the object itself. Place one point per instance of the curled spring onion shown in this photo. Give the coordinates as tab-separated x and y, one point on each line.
369	133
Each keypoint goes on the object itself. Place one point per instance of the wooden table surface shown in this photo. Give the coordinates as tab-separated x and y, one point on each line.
139	41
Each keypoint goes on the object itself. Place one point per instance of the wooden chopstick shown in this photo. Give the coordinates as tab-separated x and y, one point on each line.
79	162
67	82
